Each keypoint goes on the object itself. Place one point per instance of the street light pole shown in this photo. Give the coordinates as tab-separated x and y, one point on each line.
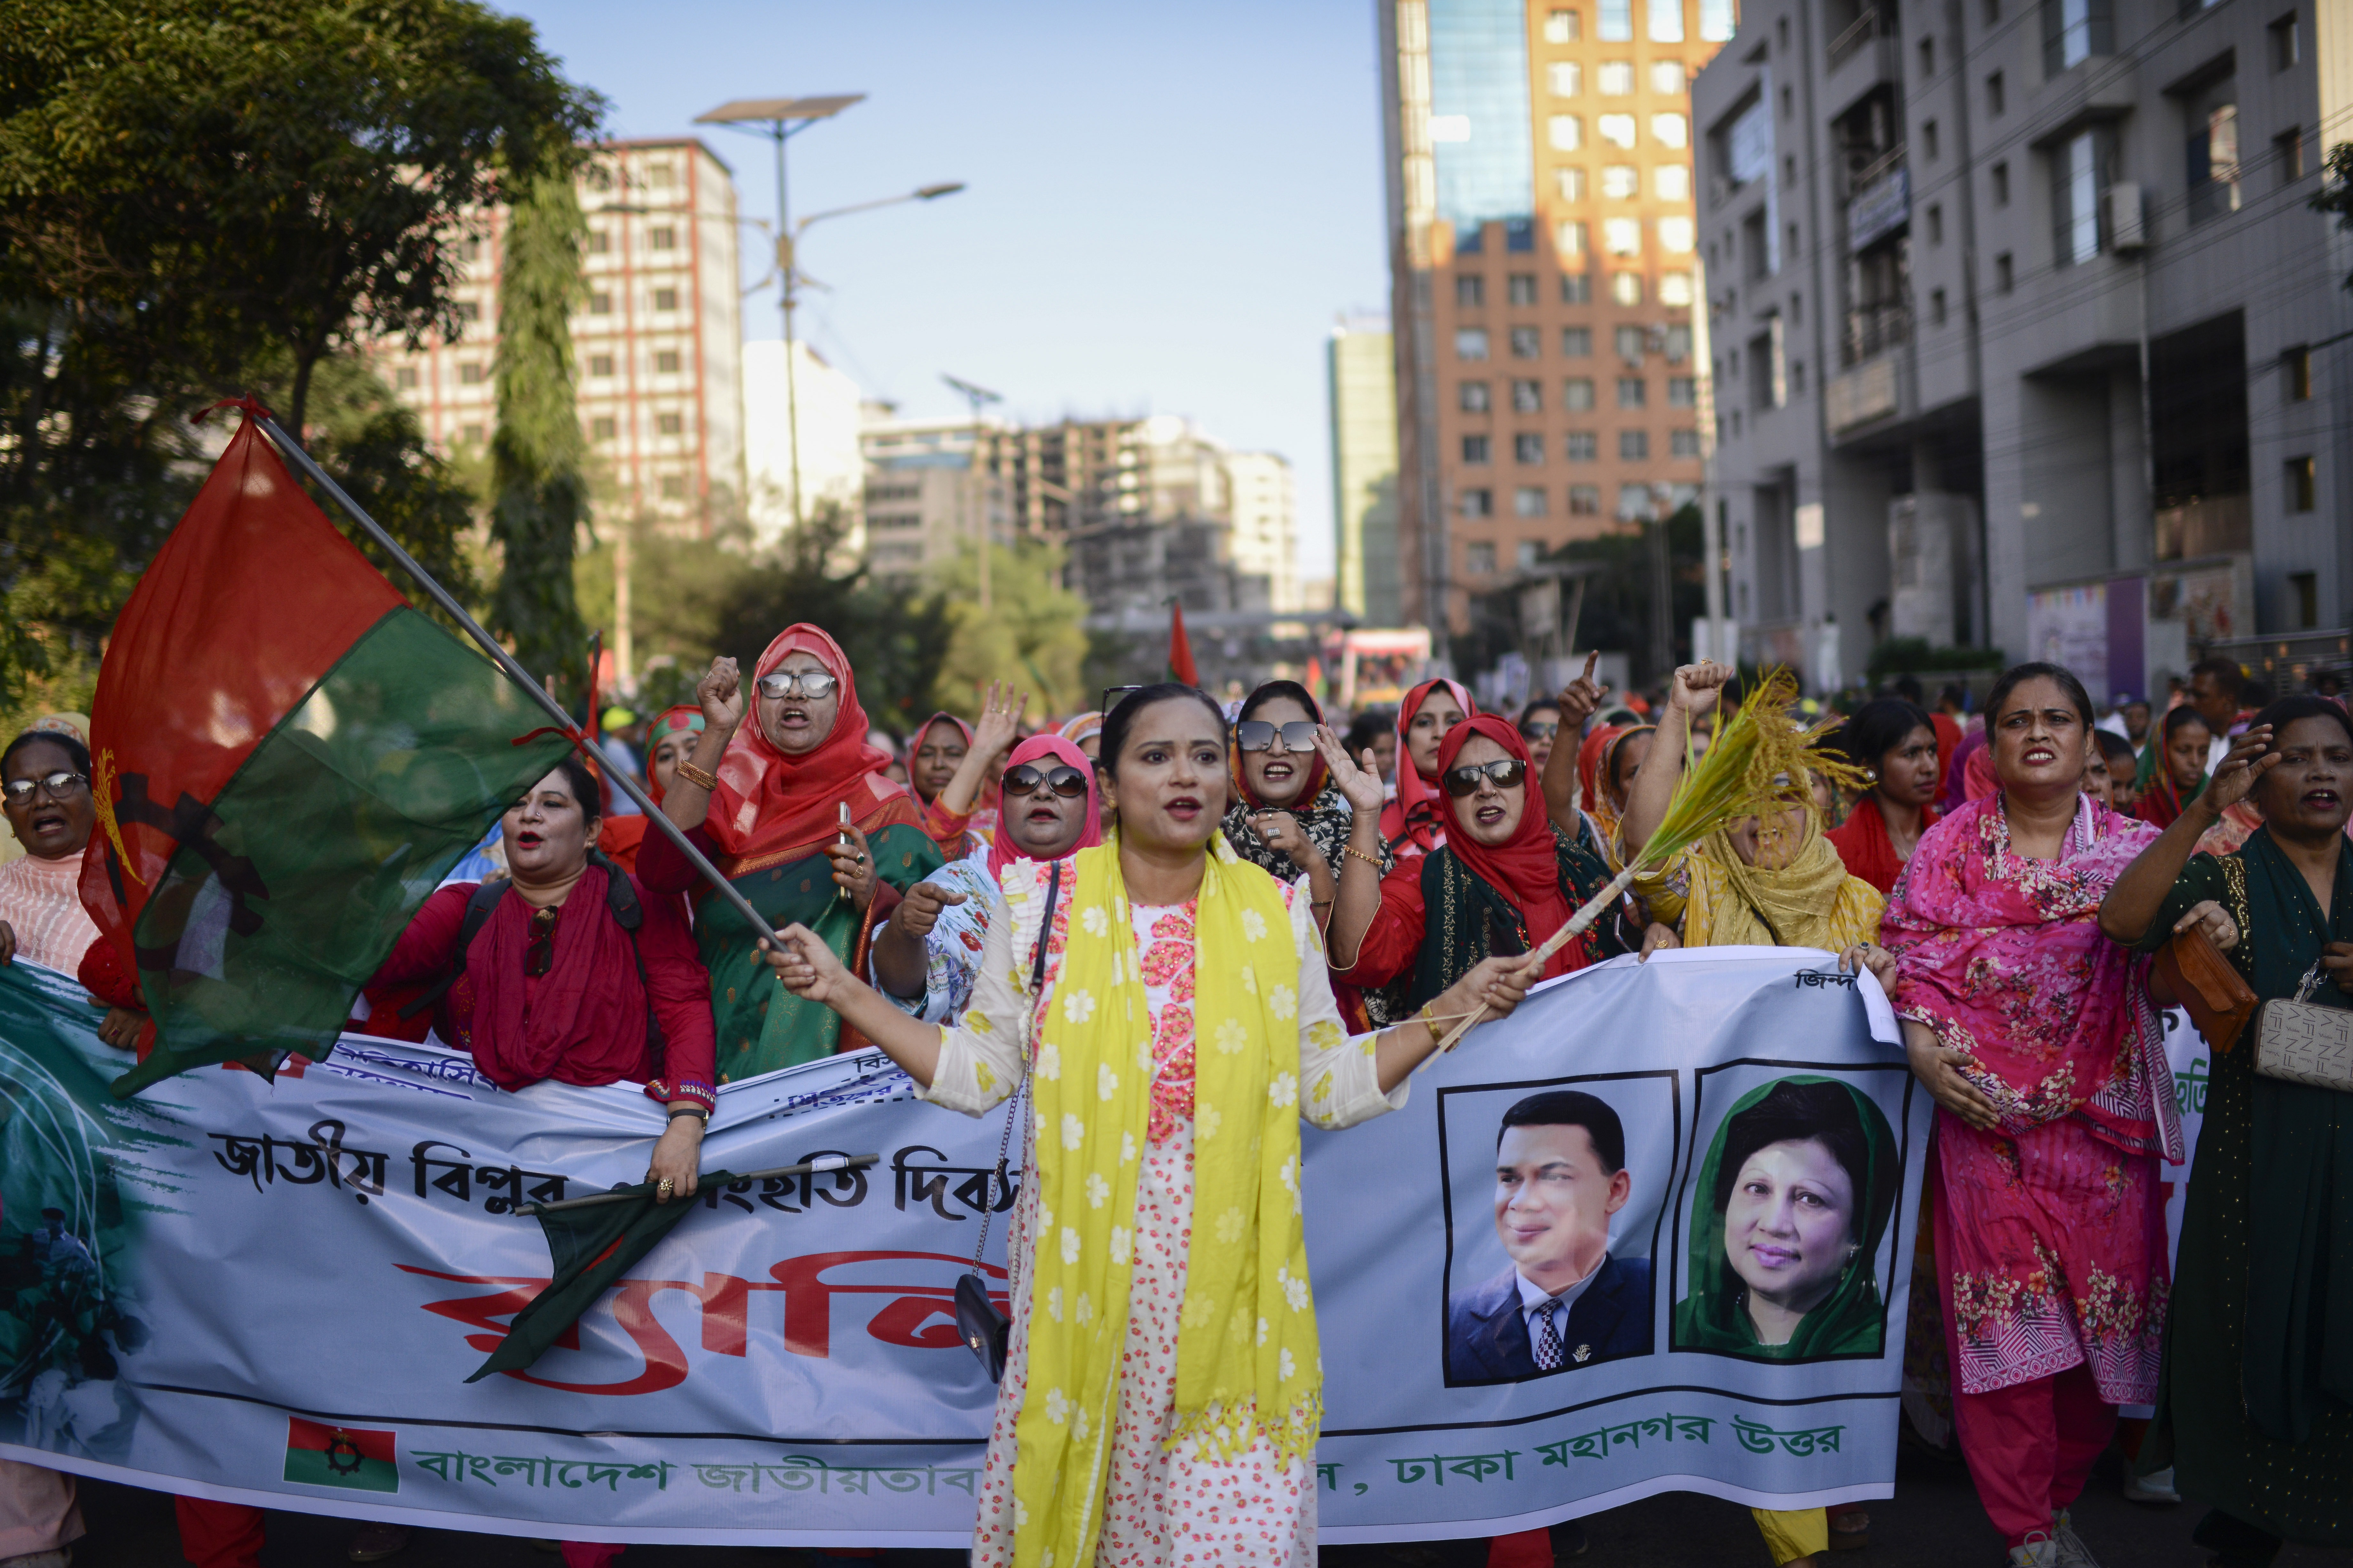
979	396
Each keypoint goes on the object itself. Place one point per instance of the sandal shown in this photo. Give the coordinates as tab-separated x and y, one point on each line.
1850	1532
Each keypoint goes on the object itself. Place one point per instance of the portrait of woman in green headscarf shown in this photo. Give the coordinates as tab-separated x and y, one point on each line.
1792	1204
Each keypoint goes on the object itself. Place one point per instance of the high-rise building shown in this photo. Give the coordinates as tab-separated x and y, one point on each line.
922	502
1998	364
1543	266
1266	524
1361	380
827	406
657	343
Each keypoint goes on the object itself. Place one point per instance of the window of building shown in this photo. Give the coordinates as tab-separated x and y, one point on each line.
1928	140
1576	288
1569	182
2304	587
2003	277
1935	307
603	428
1470	292
1563	78
600	365
2287	156
1617	131
2001	184
1677	235
1526	343
1936	223
2080	172
1527	397
1682	392
2076	30
665	299
1633	392
404	378
1479	556
1471	342
1622	236
2295	368
1797	376
1995	98
1679	343
1521	287
1632	343
601	303
1474	449
1621	182
1528	501
1634	500
1625	288
469	251
1683	443
669	424
1715	21
599	242
469	311
1527	449
1570	240
2287	48
1674	289
1582	446
1529	552
673	487
1667	77
1670	129
470	434
1471	397
1576	342
1614	79
471	372
1560	28
1478	503
2301	484
2213	150
1566	133
1927	57
1789	99
1672	182
1585	500
1768	385
659	176
1577	393
1614	21
666	362
1666	21
661	238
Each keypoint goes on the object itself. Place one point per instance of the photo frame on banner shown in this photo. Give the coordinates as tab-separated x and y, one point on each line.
1529	1194
1789	1223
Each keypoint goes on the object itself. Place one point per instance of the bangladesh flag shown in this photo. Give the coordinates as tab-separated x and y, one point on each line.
287	758
350	1456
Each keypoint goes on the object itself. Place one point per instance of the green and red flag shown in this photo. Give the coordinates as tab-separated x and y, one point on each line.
1180	647
287	757
319	1455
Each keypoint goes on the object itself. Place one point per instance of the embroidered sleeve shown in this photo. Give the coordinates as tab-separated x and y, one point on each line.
952	951
1341	1086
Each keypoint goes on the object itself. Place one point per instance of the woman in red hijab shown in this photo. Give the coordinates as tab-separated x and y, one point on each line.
1503	879
795	810
1413	825
668	742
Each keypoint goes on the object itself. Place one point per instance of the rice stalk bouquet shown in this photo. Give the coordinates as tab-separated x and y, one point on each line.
1759	759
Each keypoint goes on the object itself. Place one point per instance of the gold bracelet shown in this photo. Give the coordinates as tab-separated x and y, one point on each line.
702	778
1352	849
1430	1020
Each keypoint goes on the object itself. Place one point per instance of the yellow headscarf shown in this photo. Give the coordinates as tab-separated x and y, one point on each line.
1247	1361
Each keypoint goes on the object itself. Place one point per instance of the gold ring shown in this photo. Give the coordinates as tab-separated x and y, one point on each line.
664	1187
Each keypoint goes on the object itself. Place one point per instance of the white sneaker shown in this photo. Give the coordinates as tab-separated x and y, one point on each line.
2156	1487
2037	1550
2072	1552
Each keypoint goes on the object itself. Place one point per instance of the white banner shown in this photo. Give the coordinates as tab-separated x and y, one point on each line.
273	1293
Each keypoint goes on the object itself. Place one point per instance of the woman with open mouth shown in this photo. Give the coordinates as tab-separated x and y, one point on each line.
793	809
1155	1436
2254	1417
1286	818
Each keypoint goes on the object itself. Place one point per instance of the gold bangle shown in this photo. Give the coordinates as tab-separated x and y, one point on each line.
1430	1020
1352	849
702	778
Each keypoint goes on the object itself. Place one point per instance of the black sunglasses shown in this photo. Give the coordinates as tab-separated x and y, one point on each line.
1065	781
1113	695
1538	729
1258	735
1463	781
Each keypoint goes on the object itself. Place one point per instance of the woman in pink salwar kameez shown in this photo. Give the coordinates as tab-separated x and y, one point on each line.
2034	1033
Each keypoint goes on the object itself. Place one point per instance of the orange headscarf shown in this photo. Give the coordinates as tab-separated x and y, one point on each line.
770	802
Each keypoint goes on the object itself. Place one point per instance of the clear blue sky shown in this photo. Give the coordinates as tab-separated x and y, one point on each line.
1167	205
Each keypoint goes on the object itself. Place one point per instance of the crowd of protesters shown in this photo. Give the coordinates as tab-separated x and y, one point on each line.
2005	869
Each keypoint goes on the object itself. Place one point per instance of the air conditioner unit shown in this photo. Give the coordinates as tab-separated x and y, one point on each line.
2127	227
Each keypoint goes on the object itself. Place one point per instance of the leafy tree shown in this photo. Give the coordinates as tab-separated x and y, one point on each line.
1033	633
2336	190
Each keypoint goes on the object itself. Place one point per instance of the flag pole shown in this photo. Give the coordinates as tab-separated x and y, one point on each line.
515	672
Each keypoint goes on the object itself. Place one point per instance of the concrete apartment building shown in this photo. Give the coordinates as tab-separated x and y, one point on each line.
1265	507
2021	322
1544	272
657	343
1360	374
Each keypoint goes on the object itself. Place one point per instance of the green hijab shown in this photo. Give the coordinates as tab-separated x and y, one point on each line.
1715	1315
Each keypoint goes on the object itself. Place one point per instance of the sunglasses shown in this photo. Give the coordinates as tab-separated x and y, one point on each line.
1464	781
1112	696
1258	735
1065	781
540	956
814	684
61	785
1538	729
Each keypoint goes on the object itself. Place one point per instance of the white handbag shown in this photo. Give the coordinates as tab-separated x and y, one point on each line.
2301	1043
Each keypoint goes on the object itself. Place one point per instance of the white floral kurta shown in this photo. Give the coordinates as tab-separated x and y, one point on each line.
1164	1506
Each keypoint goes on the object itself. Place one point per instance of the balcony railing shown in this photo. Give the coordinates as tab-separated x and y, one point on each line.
1861	31
1873	329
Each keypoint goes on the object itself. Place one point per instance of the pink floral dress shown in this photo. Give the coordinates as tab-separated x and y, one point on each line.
1163	1505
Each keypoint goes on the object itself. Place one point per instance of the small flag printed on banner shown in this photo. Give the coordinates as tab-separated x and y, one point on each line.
350	1456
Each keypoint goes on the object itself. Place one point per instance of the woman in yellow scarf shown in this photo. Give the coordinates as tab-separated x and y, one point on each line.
1162	1393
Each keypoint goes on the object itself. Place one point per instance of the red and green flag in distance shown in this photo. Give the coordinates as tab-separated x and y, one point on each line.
355	1456
1180	647
287	757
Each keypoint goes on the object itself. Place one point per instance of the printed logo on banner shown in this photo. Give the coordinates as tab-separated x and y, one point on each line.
351	1457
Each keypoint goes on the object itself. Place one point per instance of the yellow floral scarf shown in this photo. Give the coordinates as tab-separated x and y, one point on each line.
1246	1350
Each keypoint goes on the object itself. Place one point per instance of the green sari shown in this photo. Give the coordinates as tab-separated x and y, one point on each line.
2254	1407
1853	1322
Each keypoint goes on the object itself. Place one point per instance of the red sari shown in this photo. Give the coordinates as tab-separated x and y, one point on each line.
1863	843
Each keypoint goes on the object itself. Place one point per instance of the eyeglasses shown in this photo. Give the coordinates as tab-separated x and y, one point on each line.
1506	772
1065	781
1538	729
540	956
814	684
1258	735
61	785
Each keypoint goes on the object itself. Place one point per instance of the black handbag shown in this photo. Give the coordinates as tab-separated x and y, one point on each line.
986	1331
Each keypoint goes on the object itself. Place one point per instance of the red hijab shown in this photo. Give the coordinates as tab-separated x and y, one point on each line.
1002	851
686	717
769	801
1416	817
1525	867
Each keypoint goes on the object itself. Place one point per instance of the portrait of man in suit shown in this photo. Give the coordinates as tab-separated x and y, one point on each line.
1565	1302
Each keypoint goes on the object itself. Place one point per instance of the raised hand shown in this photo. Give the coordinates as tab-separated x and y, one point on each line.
1580	700
721	692
1699	687
1359	786
919	911
1000	720
2235	778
